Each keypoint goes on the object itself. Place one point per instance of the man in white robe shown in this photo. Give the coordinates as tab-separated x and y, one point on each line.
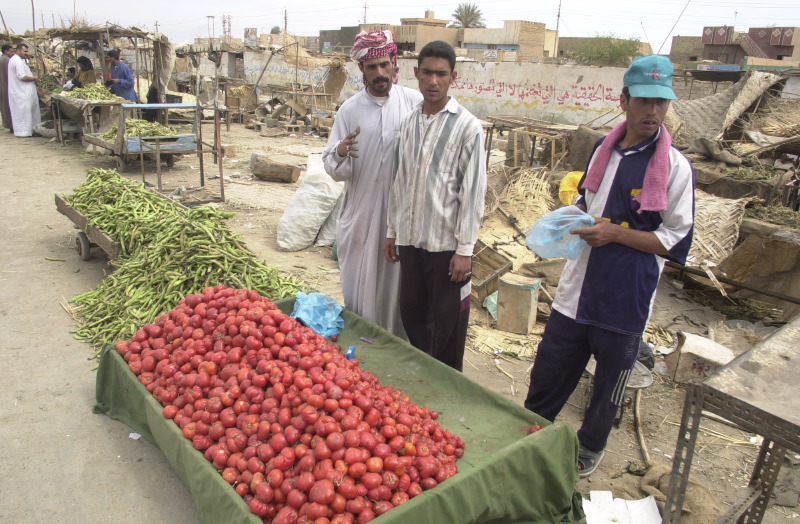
361	152
23	100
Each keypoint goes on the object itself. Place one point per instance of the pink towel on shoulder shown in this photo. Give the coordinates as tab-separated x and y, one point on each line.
654	189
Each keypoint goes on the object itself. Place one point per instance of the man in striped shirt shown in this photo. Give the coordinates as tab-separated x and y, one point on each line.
435	210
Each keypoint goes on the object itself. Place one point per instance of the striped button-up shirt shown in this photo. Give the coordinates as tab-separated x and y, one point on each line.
436	199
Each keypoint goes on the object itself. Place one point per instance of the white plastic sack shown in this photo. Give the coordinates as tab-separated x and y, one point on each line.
309	207
550	236
327	233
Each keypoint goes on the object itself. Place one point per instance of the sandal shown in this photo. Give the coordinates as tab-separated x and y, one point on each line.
588	461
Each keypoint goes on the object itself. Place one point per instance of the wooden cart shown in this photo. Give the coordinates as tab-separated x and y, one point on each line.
127	148
89	236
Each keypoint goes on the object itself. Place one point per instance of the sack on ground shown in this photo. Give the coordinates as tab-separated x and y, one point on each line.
308	208
327	233
550	237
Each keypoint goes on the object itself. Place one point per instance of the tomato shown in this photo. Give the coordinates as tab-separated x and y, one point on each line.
230	474
357	469
170	411
322	492
286	515
380	507
375	464
371	480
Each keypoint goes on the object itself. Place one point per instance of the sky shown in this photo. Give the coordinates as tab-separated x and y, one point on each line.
650	21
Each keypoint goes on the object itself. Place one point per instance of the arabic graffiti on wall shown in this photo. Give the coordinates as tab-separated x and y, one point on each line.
577	95
572	95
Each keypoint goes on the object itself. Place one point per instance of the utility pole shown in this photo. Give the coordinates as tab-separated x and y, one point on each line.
558	20
156	26
285	25
365	13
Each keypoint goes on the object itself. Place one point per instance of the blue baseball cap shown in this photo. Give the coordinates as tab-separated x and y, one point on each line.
650	76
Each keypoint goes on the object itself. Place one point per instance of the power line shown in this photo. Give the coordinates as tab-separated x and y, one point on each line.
673	26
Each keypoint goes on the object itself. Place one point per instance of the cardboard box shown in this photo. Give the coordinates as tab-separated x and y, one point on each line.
517	298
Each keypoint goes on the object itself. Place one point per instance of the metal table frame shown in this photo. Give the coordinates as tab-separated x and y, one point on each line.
757	391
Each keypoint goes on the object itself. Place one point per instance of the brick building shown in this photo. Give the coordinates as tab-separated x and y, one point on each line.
517	40
725	44
686	49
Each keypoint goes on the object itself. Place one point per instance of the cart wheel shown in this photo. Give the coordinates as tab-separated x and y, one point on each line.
83	245
170	161
121	164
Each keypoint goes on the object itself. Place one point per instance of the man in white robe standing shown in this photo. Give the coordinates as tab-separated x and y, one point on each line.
361	152
23	100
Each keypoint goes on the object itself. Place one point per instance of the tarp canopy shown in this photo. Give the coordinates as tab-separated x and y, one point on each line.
505	475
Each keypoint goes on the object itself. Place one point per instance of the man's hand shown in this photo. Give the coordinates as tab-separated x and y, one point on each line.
347	147
601	233
460	268
604	232
390	251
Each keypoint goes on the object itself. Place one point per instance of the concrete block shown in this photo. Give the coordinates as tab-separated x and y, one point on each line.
516	303
229	150
695	358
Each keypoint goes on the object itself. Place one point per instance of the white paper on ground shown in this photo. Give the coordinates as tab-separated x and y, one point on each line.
602	507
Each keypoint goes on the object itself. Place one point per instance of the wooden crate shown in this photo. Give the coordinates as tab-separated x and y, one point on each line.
487	267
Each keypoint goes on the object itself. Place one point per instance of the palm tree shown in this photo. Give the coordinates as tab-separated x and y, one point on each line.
467	15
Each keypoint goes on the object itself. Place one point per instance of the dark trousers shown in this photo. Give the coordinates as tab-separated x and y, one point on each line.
560	360
434	311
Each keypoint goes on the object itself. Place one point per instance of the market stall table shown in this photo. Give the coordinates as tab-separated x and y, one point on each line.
90	114
505	474
180	144
758	391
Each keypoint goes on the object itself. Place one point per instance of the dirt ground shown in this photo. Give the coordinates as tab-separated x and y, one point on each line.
63	463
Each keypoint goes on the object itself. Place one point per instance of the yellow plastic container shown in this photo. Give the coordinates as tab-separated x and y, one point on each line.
568	189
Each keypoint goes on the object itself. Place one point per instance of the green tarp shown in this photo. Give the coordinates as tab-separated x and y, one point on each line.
505	476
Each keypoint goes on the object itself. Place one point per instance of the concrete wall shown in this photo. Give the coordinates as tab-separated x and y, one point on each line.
341	40
280	72
550	36
564	94
549	92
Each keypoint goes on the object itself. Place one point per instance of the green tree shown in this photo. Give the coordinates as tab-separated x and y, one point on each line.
467	15
276	30
605	50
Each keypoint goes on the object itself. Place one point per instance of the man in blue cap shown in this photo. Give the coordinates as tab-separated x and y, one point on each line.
640	190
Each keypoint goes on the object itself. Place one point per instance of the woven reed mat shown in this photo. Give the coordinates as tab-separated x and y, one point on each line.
527	198
502	343
778	117
498	177
710	116
716	228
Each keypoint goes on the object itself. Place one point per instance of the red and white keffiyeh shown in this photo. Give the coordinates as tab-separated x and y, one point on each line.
375	44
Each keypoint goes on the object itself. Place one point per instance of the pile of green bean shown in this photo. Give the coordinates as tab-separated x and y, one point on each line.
168	252
92	92
137	127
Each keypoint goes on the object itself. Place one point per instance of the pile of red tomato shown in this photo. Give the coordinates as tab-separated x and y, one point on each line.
302	433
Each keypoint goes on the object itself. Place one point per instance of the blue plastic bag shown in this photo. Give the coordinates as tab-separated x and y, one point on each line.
550	236
318	311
